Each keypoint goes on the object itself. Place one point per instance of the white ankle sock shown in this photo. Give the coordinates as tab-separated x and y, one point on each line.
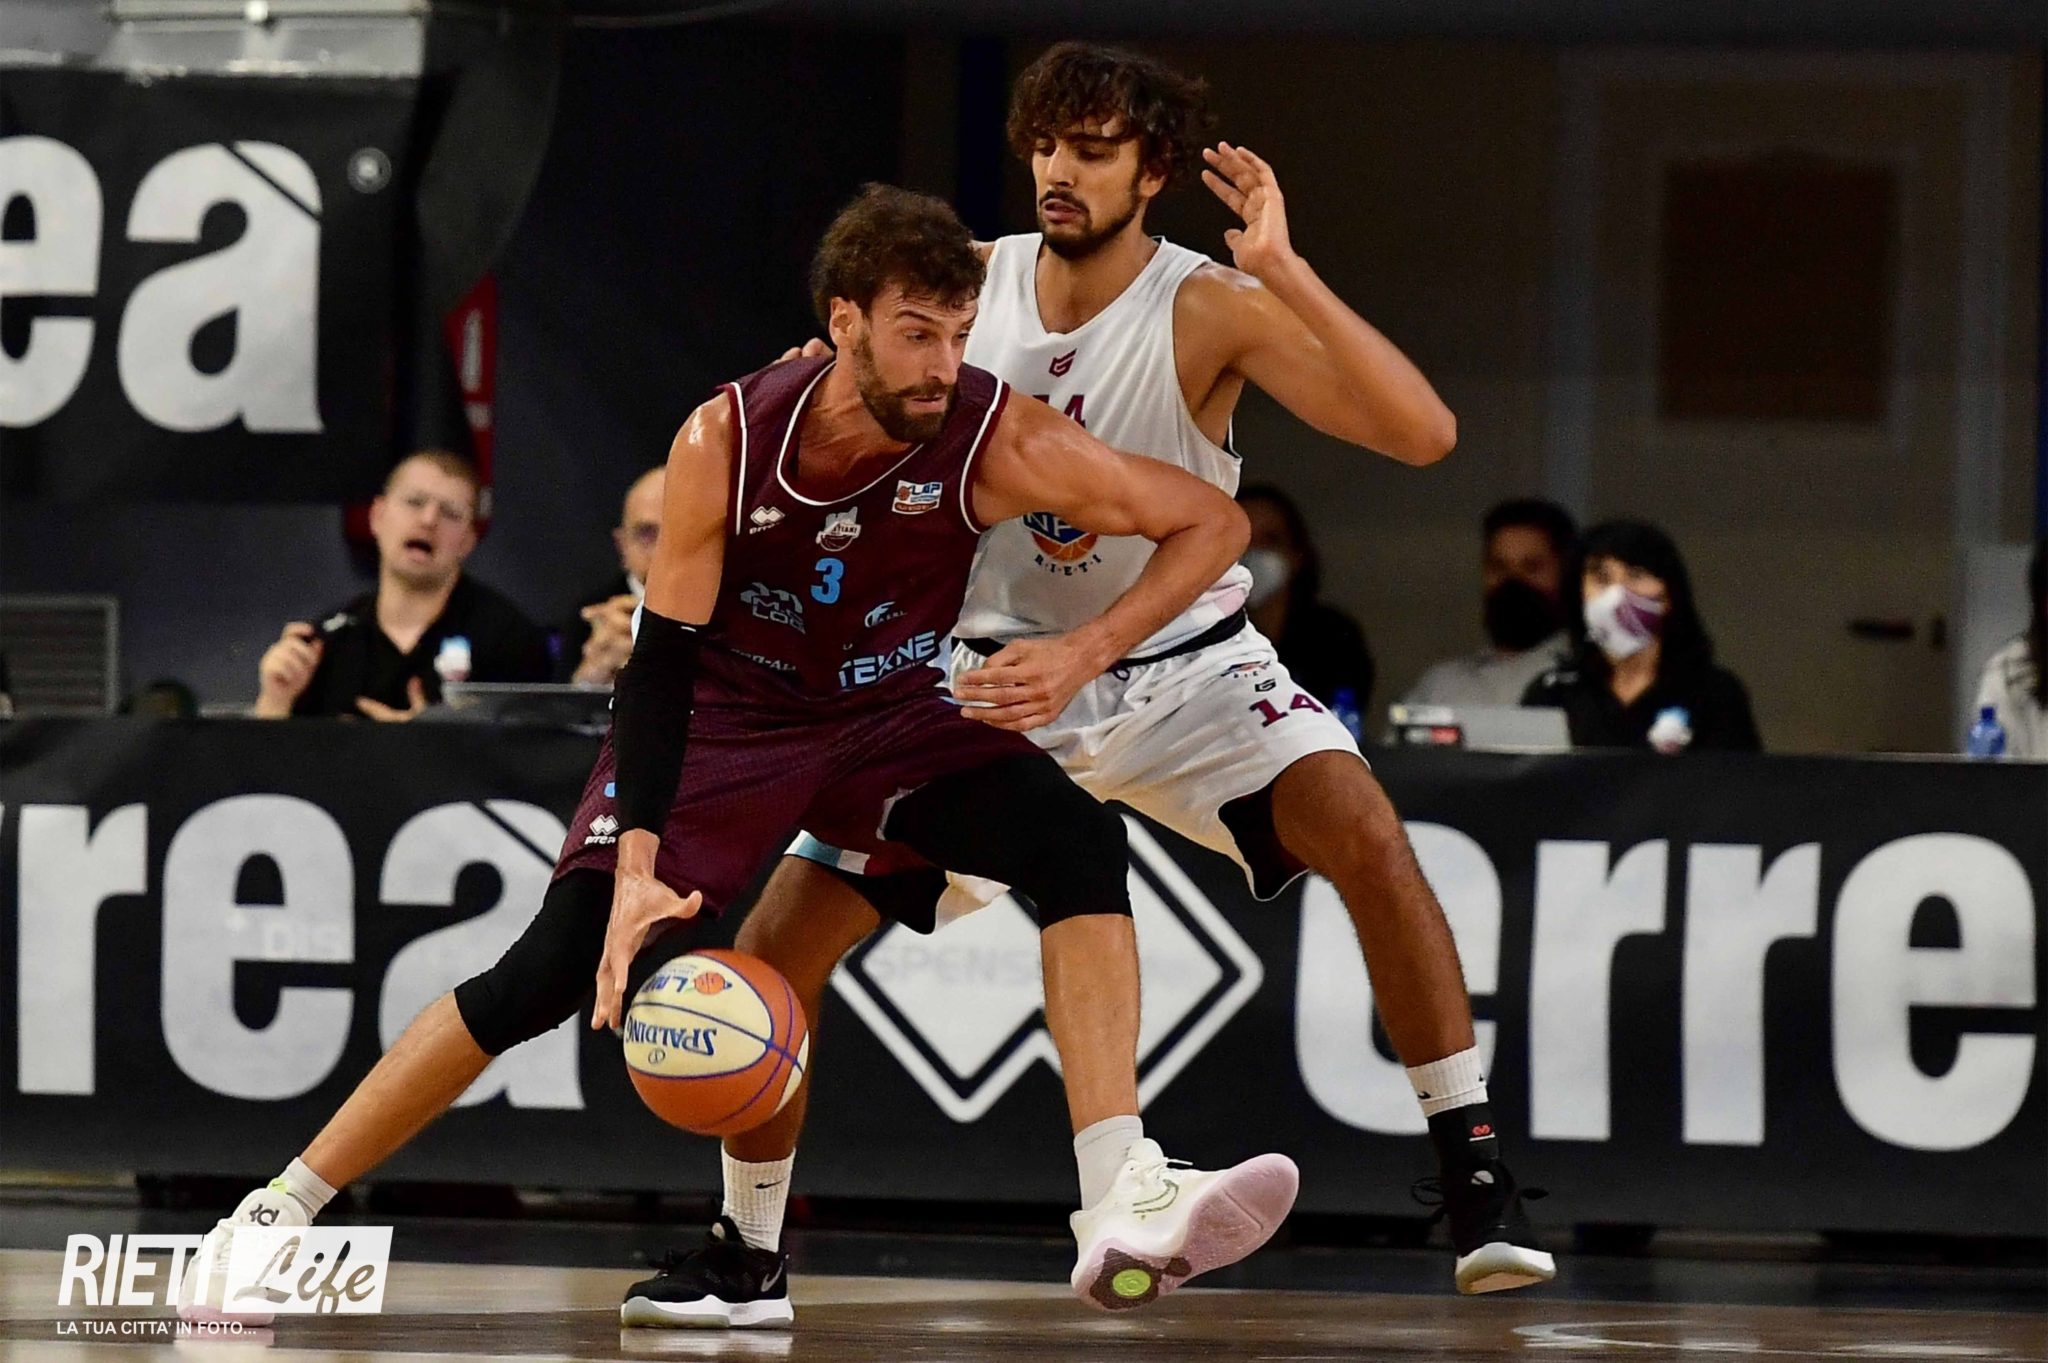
305	1187
1454	1081
756	1195
1100	1149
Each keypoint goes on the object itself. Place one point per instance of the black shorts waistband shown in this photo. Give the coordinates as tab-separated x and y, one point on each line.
1228	627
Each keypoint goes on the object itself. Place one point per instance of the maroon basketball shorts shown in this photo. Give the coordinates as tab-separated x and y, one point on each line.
752	777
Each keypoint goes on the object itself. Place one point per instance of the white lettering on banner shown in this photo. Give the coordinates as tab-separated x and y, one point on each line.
1582	912
66	873
269	279
1341	1068
1879	979
207	931
1734	911
427	856
62	260
961	1010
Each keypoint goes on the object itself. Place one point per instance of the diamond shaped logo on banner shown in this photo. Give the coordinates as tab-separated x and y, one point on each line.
963	1010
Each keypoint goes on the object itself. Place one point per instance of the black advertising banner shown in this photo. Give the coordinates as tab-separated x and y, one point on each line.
1786	993
200	284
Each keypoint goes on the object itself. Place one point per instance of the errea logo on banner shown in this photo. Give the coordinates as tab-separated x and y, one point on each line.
268	280
281	1270
963	1009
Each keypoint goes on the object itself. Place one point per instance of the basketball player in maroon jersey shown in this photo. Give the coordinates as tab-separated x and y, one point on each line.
1161	342
818	526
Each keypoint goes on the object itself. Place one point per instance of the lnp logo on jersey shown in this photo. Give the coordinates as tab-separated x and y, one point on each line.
1062	548
914	499
1062	363
841	529
774	605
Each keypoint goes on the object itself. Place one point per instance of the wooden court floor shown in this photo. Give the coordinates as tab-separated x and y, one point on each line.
537	1313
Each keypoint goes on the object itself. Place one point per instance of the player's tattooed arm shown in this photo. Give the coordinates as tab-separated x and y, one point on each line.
682	587
1038	460
1284	329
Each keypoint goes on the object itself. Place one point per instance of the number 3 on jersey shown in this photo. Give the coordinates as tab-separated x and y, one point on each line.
826	589
1274	714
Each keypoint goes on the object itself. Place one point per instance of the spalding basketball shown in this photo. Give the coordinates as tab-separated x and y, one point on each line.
716	1042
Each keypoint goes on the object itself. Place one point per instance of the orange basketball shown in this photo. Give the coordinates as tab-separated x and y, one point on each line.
716	1042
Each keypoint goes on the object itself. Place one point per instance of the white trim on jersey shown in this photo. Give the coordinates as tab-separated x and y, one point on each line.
739	482
796	416
996	405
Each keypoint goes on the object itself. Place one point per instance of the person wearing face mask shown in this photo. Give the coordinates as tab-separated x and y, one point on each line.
1642	671
1322	646
1528	548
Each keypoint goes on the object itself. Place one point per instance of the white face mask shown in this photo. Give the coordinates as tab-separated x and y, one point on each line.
1270	572
1623	623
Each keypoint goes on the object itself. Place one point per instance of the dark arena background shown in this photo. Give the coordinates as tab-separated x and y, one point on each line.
1738	308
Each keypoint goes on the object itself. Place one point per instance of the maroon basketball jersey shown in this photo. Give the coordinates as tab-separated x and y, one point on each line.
848	599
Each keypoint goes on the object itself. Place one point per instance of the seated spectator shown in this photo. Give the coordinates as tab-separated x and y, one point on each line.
2015	683
164	698
596	644
386	653
1528	548
1322	646
1642	673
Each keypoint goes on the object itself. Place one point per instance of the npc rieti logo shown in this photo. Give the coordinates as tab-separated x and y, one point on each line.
1062	548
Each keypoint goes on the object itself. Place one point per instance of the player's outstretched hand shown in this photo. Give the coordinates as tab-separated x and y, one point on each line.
1249	189
638	903
1027	684
810	350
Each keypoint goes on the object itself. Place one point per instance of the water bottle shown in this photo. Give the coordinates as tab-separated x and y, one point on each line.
1987	735
1344	705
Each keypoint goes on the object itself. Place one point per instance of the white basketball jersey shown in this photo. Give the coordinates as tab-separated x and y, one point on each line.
1115	375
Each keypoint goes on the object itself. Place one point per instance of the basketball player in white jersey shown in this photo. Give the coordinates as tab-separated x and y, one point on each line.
1149	345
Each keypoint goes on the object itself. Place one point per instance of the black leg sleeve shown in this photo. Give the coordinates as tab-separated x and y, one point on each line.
1021	821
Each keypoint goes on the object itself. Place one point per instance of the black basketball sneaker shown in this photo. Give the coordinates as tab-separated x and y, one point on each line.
1496	1248
722	1284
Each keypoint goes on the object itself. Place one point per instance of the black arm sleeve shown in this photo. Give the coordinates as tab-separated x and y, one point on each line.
651	720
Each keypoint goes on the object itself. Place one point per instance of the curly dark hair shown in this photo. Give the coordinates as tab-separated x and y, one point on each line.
1073	83
894	236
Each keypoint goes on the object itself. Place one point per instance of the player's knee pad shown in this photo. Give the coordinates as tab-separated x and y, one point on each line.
1074	861
544	976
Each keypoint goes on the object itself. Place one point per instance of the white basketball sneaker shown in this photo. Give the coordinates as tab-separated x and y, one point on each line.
199	1295
1162	1223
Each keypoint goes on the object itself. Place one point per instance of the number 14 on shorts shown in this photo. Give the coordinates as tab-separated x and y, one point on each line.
1273	714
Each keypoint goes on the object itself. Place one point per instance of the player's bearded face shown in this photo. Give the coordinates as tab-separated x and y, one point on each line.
910	412
1086	197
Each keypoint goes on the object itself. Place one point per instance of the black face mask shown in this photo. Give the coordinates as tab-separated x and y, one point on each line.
1518	616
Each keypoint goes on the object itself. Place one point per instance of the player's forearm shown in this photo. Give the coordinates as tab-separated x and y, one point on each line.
1185	564
1411	423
